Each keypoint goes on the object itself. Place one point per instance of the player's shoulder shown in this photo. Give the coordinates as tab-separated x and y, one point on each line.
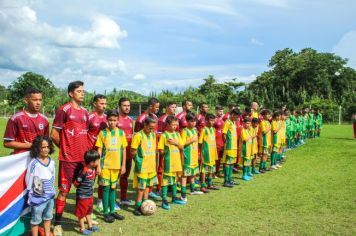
180	115
17	115
91	115
65	107
141	117
84	109
42	116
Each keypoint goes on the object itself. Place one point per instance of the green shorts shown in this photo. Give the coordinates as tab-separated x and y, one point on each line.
190	171
168	179
144	180
208	169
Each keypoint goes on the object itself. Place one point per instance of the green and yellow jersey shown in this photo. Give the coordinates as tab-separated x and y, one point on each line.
247	143
254	133
276	130
145	145
172	155
191	150
208	149
231	135
265	127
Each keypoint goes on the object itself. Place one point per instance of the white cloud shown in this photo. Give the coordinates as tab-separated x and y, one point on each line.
256	42
346	47
139	77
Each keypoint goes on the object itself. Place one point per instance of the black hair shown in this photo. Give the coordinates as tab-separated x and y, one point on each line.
111	113
247	119
149	120
210	116
235	111
232	105
152	101
275	114
202	104
123	99
248	110
30	91
98	96
184	103
74	85
170	119
91	155
265	112
190	117
171	103
255	120
218	108
36	145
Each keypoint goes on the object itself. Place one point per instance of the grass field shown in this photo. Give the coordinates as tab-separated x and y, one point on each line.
314	193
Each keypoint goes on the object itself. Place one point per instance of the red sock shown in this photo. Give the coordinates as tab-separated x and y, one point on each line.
60	205
150	189
124	184
217	166
100	192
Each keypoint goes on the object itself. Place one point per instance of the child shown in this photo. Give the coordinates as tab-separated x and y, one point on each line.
254	131
230	149
85	186
40	183
111	144
190	163
246	148
143	150
276	144
265	127
318	122
170	146
283	137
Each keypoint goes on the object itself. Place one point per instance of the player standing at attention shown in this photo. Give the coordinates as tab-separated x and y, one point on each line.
203	110
265	127
70	126
219	125
126	124
246	148
187	106
24	126
255	132
227	114
276	144
254	110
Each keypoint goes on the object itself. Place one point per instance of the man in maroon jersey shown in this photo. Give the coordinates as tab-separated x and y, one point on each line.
70	134
152	109
24	126
219	125
227	114
187	106
126	124
203	110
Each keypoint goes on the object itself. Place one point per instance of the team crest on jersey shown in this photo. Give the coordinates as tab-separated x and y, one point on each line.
71	117
212	138
149	144
113	141
41	126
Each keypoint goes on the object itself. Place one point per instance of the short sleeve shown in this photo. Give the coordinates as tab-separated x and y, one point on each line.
59	119
161	143
99	142
136	141
124	141
201	136
184	137
226	127
180	140
11	130
243	136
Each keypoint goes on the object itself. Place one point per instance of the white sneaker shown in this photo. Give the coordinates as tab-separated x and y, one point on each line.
196	192
184	199
99	205
278	166
117	207
58	231
274	167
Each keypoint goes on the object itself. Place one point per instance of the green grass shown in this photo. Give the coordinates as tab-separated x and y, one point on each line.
314	193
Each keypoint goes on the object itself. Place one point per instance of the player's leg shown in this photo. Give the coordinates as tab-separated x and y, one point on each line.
202	179
114	176
124	183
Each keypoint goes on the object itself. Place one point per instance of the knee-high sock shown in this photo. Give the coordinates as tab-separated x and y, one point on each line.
112	199
164	193
174	190
106	197
60	205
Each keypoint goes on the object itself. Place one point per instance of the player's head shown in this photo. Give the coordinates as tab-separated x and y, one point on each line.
203	108
42	147
187	105
248	111
276	115
266	114
232	106
33	99
219	110
235	114
149	125
91	158
171	108
124	106
112	118
210	119
99	103
191	119
76	91
255	122
254	106
153	105
172	123
247	122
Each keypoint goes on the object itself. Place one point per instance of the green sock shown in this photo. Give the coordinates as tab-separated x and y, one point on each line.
192	187
112	199
106	190
184	191
174	190
231	167
138	205
164	192
210	181
203	185
272	158
226	173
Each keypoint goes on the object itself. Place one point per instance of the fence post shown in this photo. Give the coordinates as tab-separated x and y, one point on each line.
340	115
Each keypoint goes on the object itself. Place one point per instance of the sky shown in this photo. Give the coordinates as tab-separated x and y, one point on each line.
147	46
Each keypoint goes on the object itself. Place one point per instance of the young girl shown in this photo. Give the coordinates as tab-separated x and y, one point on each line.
40	183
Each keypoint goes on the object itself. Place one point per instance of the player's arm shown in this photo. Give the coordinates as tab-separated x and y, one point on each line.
10	135
161	144
124	145
55	136
135	143
224	131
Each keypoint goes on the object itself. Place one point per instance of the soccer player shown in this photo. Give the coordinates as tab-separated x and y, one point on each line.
254	110
143	150
97	119
69	127
276	144
203	110
126	124
247	148
187	106
311	123
227	114
209	154
254	131
230	147
265	127
111	144
190	163
318	122
170	146
219	125
24	126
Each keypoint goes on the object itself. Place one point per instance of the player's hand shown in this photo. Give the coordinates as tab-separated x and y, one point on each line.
98	170
172	142
195	139
123	170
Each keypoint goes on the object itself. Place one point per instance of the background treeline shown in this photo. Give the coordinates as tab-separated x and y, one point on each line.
296	79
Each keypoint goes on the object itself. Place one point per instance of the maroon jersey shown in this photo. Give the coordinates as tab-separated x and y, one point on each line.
162	126
125	123
24	128
219	126
200	122
96	123
226	116
182	122
73	126
139	124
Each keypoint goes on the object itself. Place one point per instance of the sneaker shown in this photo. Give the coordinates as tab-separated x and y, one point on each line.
204	190
228	185
57	230
86	232
212	187
166	206
178	201
126	202
184	199
117	207
262	171
154	196
274	167
109	218
94	228
278	166
117	216
196	192
246	178
234	183
255	172
137	212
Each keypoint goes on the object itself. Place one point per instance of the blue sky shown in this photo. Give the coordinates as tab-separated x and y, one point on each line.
153	45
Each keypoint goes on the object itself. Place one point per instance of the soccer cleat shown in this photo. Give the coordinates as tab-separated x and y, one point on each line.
117	207
184	199
137	212
154	196
228	185
94	228
262	171
86	232
196	192
234	183
178	201
273	167
166	206
126	202
204	190
109	218
246	178
250	174
212	187
278	166
117	216
58	231
255	171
